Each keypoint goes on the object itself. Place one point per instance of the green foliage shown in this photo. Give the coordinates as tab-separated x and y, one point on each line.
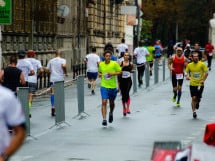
146	30
192	17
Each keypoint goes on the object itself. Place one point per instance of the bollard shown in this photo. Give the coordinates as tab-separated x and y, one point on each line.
156	69
80	90
59	102
147	74
135	81
22	94
164	70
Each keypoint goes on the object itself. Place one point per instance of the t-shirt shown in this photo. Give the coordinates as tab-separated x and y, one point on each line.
122	48
12	78
140	53
55	66
92	62
36	65
106	80
10	114
25	66
150	57
196	72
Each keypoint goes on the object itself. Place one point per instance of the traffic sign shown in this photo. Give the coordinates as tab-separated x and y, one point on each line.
5	12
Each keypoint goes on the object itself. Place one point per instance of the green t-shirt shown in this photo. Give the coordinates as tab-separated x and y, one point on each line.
196	71
151	54
107	81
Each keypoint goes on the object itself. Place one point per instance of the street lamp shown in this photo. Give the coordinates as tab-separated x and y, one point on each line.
212	29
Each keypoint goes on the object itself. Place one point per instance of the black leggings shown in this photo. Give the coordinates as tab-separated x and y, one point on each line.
125	86
140	75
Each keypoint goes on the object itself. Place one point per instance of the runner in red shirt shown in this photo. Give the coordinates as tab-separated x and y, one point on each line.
176	64
209	52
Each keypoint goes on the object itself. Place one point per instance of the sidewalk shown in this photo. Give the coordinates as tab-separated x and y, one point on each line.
127	138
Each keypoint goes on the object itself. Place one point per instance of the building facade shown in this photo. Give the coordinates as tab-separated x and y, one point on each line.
41	25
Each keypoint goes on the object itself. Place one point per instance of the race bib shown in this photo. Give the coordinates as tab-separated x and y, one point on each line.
210	54
179	76
126	74
196	75
107	76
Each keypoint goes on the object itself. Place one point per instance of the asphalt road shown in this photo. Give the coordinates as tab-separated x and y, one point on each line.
154	117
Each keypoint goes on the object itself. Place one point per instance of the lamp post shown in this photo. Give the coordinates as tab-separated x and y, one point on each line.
212	29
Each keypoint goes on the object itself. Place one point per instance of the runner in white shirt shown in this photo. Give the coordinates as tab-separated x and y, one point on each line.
92	61
25	65
57	68
10	115
122	48
140	53
32	80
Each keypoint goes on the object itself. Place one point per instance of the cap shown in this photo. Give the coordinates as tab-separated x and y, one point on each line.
21	53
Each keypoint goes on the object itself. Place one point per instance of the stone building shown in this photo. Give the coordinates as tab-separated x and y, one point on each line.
41	25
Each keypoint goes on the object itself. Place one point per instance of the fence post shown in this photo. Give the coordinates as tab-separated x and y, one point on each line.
164	70
59	102
22	94
147	76
156	73
80	90
135	81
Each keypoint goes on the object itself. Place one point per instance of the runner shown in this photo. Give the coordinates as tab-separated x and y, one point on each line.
108	70
126	82
176	65
92	61
57	67
197	72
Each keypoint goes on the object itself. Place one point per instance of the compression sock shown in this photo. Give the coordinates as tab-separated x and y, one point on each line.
52	99
179	96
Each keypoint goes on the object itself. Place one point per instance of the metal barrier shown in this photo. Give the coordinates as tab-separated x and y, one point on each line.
59	102
22	94
156	71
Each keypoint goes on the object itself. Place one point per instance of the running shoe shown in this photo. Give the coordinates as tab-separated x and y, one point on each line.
110	120
104	122
173	99
178	105
194	115
124	111
128	111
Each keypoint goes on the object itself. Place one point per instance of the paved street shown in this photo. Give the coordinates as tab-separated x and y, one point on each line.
153	118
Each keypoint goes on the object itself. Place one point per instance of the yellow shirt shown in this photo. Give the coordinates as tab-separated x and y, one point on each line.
196	72
106	80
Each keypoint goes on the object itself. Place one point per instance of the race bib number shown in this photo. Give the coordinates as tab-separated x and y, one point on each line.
107	76
179	76
126	74
210	54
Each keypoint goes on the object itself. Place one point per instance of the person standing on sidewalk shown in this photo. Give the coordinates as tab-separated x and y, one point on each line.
197	73
57	69
32	80
92	61
140	53
209	49
126	82
11	115
176	65
11	76
108	70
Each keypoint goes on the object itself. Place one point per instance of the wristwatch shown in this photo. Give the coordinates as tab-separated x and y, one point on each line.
5	156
